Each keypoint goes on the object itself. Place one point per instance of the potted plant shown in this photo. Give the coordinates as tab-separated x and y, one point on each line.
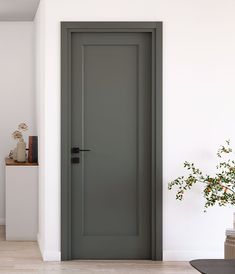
218	189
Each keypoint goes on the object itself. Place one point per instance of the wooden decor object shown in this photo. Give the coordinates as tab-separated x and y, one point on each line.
33	149
229	245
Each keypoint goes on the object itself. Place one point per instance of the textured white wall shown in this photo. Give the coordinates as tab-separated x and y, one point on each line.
17	102
198	115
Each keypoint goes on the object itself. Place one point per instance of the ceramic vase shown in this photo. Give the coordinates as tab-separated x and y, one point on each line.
21	151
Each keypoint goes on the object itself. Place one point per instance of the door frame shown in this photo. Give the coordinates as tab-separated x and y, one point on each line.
155	29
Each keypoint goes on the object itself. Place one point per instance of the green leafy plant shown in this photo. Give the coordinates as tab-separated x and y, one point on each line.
218	189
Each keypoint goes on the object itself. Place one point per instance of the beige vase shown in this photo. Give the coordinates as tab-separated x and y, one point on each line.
21	151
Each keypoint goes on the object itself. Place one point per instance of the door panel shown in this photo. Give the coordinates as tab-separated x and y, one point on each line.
111	116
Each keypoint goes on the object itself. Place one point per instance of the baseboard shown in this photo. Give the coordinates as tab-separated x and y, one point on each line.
2	221
51	256
188	255
39	244
48	256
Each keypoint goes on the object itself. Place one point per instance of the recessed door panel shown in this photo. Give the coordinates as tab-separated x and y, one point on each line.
111	118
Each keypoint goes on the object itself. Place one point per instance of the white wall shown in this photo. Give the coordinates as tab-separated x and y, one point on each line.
17	102
198	115
40	116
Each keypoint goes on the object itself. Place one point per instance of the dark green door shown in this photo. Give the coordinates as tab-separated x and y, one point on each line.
111	82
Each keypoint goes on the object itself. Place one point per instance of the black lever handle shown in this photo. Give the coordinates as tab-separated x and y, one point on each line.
77	150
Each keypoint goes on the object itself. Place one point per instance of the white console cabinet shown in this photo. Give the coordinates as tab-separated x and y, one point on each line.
21	201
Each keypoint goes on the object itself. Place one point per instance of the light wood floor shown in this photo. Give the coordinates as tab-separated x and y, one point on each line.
25	258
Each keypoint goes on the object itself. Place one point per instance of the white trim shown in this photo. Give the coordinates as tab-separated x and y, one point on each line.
2	221
51	256
48	256
39	243
187	255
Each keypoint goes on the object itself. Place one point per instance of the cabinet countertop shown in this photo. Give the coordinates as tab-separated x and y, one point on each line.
11	162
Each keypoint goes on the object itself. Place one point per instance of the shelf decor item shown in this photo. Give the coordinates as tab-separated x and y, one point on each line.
19	153
217	189
33	149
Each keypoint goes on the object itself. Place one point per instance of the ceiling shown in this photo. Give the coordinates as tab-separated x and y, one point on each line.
18	10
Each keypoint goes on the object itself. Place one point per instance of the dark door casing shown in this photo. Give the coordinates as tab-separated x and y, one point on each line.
111	105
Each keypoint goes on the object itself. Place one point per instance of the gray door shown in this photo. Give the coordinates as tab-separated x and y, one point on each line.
111	82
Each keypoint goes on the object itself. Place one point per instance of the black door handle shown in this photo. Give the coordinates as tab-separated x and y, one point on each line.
77	150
